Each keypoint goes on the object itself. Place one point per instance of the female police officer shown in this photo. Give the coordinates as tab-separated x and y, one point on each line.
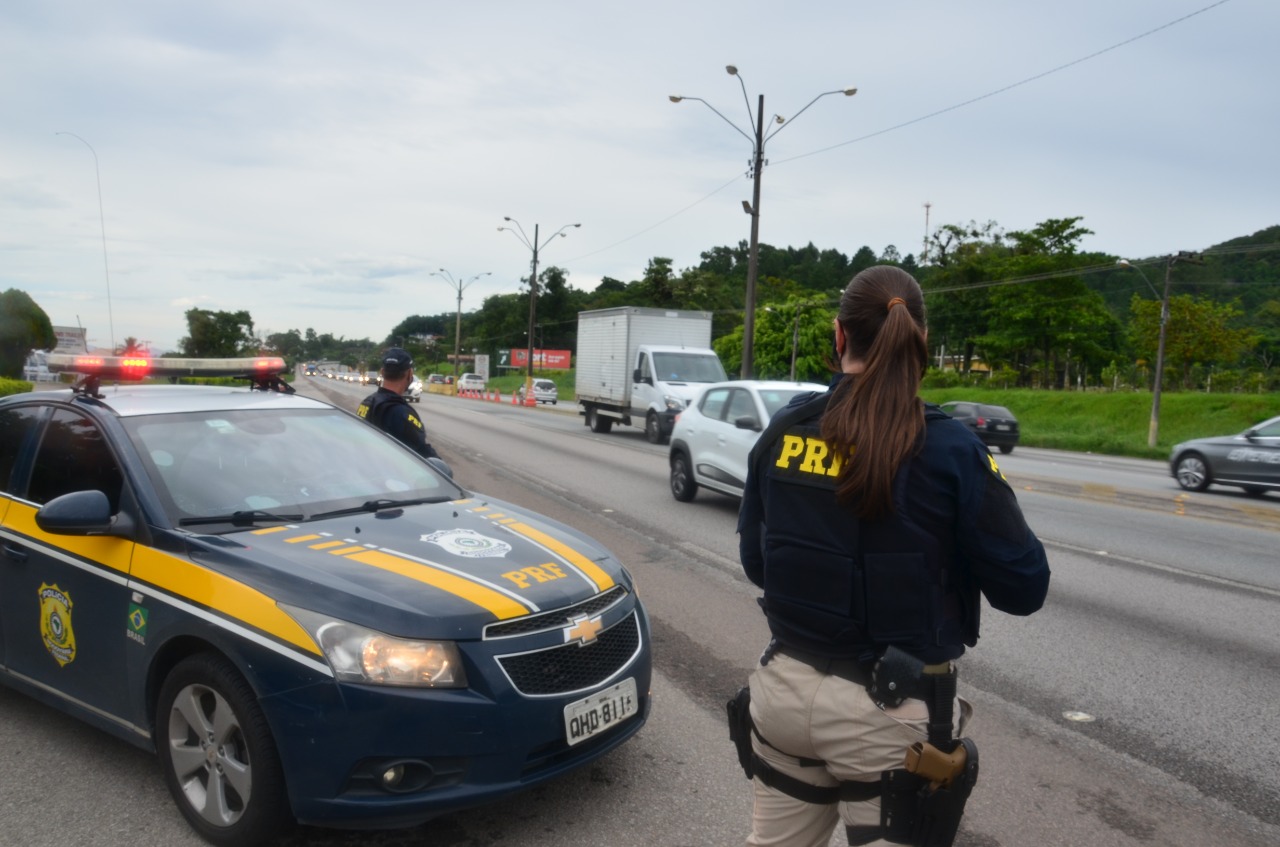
872	522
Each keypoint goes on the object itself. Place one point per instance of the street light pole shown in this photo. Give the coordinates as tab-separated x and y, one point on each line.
535	245
457	331
1153	430
102	222
758	141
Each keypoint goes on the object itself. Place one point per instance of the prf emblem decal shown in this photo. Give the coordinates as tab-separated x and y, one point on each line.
468	543
583	631
55	624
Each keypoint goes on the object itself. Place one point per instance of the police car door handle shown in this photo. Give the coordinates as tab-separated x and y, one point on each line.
14	552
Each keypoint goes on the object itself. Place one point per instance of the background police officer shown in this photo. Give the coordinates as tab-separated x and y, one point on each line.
871	521
387	409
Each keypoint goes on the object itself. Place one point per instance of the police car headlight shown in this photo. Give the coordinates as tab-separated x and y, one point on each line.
674	404
360	654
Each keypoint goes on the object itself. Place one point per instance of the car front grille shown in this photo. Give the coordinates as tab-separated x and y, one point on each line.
557	618
574	667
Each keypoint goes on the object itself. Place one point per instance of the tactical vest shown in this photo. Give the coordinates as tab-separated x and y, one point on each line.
843	587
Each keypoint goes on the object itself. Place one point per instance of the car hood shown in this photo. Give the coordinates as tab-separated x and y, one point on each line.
430	571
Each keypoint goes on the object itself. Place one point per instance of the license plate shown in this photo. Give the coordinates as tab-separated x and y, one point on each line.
1002	427
592	715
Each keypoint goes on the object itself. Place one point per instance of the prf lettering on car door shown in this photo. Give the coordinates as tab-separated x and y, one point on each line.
525	577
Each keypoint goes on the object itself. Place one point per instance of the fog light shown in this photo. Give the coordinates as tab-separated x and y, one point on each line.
392	777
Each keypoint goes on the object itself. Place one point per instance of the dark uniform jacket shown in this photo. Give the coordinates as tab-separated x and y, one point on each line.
840	587
390	412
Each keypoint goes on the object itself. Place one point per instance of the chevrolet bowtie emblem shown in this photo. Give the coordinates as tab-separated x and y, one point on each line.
583	630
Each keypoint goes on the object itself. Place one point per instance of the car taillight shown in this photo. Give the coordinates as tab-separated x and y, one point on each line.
982	421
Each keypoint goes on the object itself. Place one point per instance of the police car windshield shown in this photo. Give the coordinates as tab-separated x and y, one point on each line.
224	467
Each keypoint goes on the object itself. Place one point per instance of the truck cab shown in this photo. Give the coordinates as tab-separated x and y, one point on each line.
665	381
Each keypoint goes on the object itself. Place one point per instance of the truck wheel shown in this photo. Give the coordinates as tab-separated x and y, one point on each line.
217	754
598	423
653	429
683	488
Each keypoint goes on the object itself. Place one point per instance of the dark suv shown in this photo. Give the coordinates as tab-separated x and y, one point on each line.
995	425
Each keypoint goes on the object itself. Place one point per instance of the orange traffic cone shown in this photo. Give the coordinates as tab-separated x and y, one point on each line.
514	397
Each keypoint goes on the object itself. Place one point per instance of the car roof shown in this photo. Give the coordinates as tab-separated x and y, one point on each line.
767	385
129	400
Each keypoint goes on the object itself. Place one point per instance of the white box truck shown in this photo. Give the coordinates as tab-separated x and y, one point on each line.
642	366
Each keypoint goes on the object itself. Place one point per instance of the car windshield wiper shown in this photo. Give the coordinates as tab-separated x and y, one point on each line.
380	504
248	517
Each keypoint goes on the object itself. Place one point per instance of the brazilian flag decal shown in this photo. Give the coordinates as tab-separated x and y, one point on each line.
137	619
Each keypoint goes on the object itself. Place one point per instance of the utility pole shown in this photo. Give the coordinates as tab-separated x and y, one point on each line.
1182	256
924	250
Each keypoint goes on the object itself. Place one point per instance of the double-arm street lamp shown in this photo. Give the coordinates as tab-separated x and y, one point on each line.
102	222
758	139
1153	430
458	286
535	245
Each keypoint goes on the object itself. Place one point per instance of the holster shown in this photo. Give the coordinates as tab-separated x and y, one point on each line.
921	804
916	808
739	710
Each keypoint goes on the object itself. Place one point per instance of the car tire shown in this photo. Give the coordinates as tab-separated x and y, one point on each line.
683	488
1192	472
599	424
653	429
1006	448
206	705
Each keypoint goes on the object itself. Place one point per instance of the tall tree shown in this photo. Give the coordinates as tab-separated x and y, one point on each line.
24	327
1199	332
218	334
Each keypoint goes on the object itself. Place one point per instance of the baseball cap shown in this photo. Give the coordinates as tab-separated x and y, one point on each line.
397	359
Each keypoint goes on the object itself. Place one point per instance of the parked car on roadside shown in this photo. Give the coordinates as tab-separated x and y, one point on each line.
711	438
436	379
995	425
471	382
300	616
1250	460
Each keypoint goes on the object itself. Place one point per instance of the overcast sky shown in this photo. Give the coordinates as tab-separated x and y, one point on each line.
313	161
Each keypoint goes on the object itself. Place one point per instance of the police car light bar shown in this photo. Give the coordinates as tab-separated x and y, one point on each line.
138	367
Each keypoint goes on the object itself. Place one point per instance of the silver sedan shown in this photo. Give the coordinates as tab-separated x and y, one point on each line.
1250	460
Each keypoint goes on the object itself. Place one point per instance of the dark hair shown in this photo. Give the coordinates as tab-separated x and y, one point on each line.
875	418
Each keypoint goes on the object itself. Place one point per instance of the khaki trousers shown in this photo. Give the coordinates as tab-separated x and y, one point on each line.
804	713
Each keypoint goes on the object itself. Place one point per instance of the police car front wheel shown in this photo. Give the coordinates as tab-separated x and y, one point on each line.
217	754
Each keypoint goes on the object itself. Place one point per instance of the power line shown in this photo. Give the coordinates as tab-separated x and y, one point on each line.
913	121
1009	87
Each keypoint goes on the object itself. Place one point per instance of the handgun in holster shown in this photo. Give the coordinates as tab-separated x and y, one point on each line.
921	804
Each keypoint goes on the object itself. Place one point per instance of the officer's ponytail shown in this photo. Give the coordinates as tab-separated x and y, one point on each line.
875	418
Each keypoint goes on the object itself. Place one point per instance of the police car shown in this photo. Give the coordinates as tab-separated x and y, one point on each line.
301	617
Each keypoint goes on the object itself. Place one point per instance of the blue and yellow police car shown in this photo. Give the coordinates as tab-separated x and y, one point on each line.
300	616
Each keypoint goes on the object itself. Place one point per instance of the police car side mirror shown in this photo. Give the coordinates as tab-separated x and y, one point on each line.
82	513
441	465
747	422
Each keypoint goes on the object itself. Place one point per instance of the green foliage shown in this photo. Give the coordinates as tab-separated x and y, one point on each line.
218	334
1199	331
24	327
14	386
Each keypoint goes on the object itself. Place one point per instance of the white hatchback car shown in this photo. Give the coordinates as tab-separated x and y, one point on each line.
470	382
712	438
